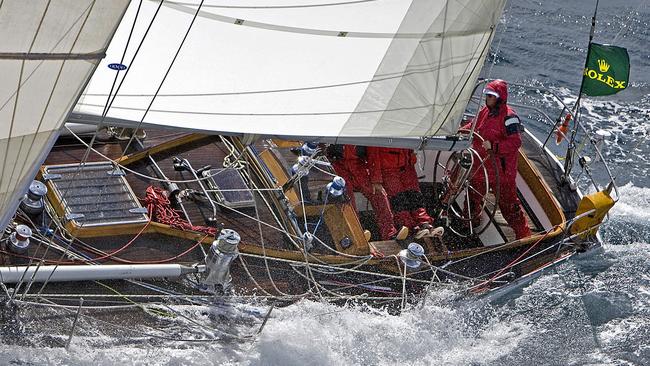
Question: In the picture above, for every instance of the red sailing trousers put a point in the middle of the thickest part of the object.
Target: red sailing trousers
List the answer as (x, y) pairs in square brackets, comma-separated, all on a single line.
[(509, 203), (394, 168), (403, 189), (500, 125), (356, 177)]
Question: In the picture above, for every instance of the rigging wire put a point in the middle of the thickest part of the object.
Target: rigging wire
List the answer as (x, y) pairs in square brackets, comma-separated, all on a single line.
[(262, 242), (308, 264), (105, 255), (251, 277), (145, 176), (496, 51), (63, 37), (85, 259), (207, 113), (299, 263), (388, 76), (152, 335), (290, 235), (171, 64), (517, 262), (87, 12), (83, 159), (312, 276), (109, 101), (117, 73), (624, 24), (13, 114), (29, 264)]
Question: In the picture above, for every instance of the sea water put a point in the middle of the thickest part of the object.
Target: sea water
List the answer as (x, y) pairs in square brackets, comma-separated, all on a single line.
[(592, 311)]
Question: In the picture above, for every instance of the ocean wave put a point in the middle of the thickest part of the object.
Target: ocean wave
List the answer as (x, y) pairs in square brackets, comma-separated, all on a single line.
[(634, 204), (312, 333)]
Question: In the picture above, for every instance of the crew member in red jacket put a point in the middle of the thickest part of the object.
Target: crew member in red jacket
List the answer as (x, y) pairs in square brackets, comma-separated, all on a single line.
[(350, 163), (500, 128), (393, 170)]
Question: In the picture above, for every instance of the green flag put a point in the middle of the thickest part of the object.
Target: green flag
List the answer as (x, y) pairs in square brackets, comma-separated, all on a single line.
[(607, 71)]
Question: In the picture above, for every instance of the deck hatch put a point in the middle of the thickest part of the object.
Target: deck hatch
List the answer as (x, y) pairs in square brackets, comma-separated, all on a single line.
[(92, 196), (228, 188)]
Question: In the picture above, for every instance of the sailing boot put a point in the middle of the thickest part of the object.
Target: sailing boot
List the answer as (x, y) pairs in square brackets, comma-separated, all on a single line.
[(437, 232), (523, 232), (428, 231), (514, 215), (367, 235), (422, 231), (401, 234)]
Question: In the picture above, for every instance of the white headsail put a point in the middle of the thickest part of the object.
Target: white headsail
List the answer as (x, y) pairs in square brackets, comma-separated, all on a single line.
[(47, 54), (359, 71)]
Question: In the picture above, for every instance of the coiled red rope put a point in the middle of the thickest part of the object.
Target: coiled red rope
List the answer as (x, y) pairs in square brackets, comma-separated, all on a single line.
[(160, 211)]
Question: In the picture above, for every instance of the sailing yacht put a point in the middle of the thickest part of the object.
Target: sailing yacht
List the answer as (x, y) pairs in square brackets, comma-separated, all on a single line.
[(205, 179)]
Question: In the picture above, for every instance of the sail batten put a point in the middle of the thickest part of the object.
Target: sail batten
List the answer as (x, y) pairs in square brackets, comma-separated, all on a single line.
[(384, 69), (324, 32), (52, 56)]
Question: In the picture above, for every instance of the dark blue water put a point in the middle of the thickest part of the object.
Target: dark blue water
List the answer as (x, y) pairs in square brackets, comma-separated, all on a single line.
[(594, 311), (545, 44)]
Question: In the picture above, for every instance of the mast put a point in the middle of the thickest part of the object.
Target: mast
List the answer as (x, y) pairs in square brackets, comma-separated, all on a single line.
[(568, 160)]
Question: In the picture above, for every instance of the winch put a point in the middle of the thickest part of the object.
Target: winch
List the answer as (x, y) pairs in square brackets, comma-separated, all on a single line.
[(223, 252), (18, 243), (33, 204), (412, 256)]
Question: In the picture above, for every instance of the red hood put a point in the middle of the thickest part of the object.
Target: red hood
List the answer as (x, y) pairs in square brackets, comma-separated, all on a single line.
[(501, 87)]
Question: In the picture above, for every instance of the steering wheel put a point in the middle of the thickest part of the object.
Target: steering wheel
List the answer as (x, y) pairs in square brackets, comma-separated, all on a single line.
[(460, 171)]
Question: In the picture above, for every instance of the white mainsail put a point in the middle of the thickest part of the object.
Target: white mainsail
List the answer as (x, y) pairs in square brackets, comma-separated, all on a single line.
[(359, 71), (47, 54)]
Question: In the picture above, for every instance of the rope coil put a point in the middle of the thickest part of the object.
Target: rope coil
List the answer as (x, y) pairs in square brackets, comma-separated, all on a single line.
[(160, 211)]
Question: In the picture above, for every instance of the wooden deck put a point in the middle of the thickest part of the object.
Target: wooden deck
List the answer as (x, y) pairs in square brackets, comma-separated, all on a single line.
[(552, 174), (156, 247), (208, 151)]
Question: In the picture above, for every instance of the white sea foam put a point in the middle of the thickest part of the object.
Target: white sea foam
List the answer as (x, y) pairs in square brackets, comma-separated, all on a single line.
[(634, 204), (313, 333), (114, 356)]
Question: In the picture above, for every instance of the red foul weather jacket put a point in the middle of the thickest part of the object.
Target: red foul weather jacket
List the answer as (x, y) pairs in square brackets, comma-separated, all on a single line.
[(386, 158), (501, 126)]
